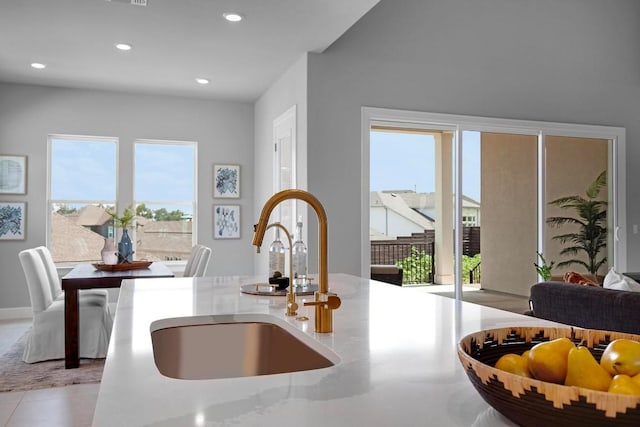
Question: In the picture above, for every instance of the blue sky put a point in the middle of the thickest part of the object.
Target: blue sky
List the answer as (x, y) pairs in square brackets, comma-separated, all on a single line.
[(85, 170), (403, 161)]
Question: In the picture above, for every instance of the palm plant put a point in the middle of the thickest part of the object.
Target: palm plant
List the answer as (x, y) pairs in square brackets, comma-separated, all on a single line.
[(591, 236)]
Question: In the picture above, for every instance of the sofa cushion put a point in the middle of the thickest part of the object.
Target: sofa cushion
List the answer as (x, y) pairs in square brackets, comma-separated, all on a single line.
[(617, 281), (586, 306)]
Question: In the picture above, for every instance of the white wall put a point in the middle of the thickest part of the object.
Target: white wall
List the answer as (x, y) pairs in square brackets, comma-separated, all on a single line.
[(391, 223), (289, 90), (223, 130), (573, 61)]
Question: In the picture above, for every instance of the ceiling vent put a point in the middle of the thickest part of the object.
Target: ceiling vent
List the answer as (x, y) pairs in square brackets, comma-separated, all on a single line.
[(133, 2)]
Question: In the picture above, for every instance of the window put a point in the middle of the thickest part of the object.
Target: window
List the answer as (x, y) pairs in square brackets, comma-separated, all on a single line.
[(82, 188), (164, 194), (469, 220)]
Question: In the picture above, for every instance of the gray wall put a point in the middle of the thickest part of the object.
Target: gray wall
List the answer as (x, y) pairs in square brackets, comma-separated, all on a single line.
[(223, 130), (571, 61), (288, 90)]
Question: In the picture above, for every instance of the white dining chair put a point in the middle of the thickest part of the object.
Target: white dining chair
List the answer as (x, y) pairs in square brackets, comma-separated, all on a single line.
[(203, 262), (54, 278), (46, 337), (192, 263)]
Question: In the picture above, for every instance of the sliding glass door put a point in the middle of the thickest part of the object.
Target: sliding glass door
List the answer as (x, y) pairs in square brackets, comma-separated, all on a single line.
[(578, 222), (503, 179)]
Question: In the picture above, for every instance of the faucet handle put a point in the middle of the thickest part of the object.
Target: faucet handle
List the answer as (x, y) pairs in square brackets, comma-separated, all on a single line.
[(332, 302)]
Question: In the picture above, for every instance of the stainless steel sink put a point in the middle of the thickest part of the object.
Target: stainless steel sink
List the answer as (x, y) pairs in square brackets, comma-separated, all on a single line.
[(232, 349)]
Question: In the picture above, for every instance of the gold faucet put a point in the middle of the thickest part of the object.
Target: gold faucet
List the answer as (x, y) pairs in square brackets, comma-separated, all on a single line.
[(324, 301), (292, 306)]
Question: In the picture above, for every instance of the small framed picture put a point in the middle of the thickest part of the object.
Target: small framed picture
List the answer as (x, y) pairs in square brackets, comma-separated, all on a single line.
[(13, 217), (226, 221), (13, 174), (226, 181)]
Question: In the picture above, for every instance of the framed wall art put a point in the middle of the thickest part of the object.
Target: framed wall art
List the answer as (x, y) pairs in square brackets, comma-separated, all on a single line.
[(13, 174), (226, 221), (226, 181), (13, 217)]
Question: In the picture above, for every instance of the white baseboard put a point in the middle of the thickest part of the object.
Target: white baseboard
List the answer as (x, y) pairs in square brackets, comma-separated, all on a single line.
[(16, 313)]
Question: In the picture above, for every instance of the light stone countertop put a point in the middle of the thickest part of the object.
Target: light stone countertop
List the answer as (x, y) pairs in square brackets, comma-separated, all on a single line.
[(396, 347)]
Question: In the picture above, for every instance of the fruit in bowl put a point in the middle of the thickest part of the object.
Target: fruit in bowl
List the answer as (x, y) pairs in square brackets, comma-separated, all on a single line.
[(583, 370), (560, 361), (587, 395), (622, 356), (548, 360)]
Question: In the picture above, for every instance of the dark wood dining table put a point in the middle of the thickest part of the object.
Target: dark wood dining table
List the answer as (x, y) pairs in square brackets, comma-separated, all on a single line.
[(86, 276)]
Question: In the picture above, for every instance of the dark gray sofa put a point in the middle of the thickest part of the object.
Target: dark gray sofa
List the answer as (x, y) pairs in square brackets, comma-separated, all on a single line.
[(586, 306)]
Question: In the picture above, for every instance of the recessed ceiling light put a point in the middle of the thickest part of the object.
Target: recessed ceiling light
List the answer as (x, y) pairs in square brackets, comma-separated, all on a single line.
[(123, 46), (232, 17), (202, 80), (38, 65)]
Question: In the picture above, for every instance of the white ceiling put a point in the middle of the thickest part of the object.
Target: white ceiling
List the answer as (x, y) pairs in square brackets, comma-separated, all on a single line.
[(174, 41)]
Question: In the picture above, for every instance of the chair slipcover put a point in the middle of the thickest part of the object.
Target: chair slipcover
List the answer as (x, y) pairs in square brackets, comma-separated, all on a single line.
[(203, 262), (54, 279), (46, 338), (192, 263)]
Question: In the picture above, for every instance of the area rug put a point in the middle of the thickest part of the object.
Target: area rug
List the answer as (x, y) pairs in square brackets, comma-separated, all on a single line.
[(16, 375)]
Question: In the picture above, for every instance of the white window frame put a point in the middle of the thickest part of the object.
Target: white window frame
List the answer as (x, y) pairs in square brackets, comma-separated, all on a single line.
[(193, 203), (50, 138)]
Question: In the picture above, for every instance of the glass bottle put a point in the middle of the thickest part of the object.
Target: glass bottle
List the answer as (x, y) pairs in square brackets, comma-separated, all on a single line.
[(299, 258), (276, 255)]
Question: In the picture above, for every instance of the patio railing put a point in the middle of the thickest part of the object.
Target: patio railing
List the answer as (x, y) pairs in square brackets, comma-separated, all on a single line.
[(419, 264), (419, 252)]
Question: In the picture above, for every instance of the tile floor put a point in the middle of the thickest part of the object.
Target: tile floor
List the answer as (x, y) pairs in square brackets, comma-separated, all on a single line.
[(70, 406), (73, 406)]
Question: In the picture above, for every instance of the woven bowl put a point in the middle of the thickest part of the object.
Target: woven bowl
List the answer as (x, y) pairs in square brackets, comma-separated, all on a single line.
[(530, 402)]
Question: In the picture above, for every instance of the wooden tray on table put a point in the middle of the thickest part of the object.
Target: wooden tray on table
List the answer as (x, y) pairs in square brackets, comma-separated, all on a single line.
[(133, 265)]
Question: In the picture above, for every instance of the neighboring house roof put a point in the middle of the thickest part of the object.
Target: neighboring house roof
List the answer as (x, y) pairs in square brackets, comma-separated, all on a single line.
[(399, 205), (164, 239), (165, 227), (155, 240), (427, 200), (92, 215), (376, 235), (86, 244)]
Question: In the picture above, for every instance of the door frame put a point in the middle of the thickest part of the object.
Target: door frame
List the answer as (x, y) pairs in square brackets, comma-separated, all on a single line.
[(461, 123)]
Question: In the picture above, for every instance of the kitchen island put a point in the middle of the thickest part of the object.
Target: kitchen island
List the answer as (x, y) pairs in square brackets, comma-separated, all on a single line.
[(396, 364)]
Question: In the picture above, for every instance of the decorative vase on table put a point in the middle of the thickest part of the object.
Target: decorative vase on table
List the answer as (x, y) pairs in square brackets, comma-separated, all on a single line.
[(109, 253), (125, 249)]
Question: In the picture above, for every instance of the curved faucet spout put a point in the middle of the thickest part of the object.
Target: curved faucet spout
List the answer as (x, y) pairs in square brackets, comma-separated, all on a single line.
[(261, 227)]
